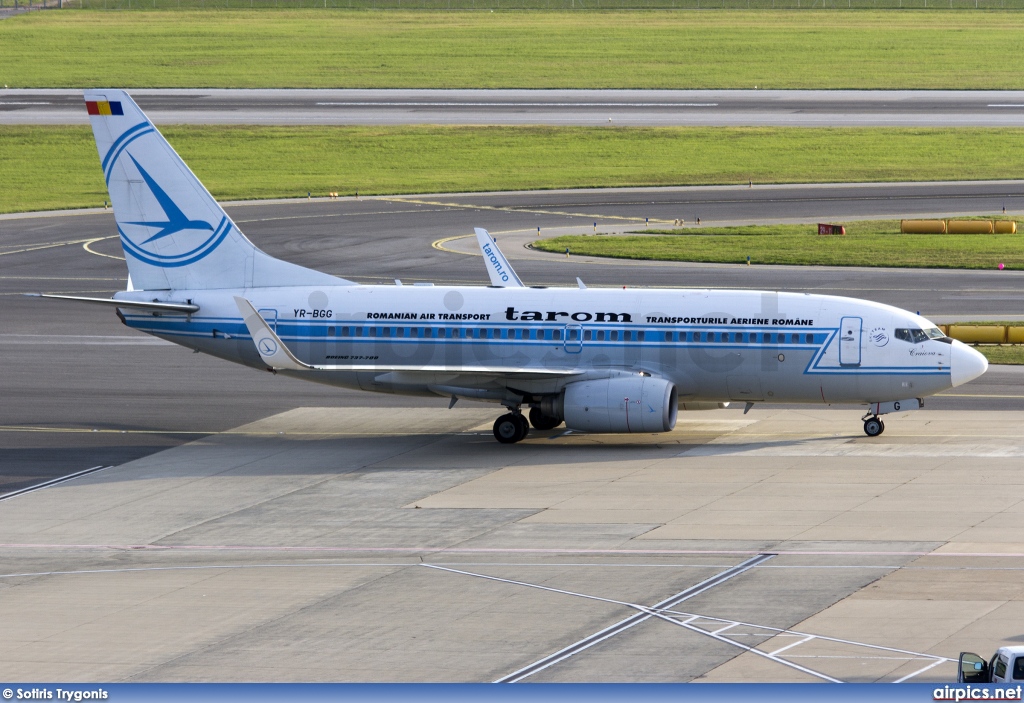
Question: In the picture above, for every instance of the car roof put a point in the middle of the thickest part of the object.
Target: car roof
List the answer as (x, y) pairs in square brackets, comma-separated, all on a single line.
[(1016, 649)]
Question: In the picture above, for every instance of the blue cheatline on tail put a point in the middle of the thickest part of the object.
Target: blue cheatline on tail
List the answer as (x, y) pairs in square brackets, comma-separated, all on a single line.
[(174, 234)]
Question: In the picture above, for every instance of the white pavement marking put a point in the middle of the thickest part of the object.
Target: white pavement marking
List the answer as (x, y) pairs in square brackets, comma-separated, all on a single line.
[(919, 671), (644, 614), (910, 655), (53, 482)]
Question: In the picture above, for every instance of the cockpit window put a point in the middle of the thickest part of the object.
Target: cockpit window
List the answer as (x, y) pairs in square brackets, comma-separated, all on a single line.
[(913, 336), (934, 333)]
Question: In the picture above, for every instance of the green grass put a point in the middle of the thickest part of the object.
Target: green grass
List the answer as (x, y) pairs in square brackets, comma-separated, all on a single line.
[(57, 167), (620, 49), (1006, 354), (868, 243)]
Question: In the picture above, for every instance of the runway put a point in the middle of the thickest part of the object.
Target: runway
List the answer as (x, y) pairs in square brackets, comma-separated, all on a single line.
[(241, 526), (637, 108)]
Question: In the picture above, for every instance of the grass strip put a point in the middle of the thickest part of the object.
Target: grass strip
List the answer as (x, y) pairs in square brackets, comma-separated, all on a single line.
[(539, 49), (1006, 354), (866, 243), (48, 167)]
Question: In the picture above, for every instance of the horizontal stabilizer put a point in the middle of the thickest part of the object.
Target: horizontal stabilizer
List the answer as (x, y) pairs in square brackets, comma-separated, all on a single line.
[(135, 304), (498, 267)]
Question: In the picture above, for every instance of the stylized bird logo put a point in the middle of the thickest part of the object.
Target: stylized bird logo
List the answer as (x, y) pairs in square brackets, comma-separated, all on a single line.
[(176, 219)]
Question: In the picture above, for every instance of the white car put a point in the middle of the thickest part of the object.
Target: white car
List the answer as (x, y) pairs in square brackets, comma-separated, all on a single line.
[(1006, 665)]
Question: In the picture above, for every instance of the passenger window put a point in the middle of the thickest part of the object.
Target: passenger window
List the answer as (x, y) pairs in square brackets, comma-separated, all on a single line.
[(711, 336), (588, 335), (1000, 670), (330, 331), (557, 334), (794, 338), (640, 336), (809, 339), (628, 336), (614, 335), (682, 336), (1018, 669), (668, 336)]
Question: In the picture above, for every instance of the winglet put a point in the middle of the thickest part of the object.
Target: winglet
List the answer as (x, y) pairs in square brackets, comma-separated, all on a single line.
[(498, 268), (270, 347)]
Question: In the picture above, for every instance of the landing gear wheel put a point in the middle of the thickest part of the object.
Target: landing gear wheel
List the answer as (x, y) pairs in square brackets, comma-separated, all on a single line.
[(873, 427), (541, 421), (524, 425), (510, 428)]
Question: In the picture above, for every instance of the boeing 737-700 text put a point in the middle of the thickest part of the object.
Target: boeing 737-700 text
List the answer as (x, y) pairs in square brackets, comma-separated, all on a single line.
[(599, 360)]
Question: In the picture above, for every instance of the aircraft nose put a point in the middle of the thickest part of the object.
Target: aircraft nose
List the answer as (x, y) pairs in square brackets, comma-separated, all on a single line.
[(966, 364)]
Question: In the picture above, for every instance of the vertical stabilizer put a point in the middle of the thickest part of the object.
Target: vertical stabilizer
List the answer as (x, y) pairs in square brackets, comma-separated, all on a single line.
[(173, 232)]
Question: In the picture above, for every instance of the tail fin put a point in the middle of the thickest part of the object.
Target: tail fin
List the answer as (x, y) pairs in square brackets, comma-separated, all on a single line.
[(173, 232)]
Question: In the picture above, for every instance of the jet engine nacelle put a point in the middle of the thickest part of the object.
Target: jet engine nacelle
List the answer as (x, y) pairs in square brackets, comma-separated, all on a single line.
[(633, 404)]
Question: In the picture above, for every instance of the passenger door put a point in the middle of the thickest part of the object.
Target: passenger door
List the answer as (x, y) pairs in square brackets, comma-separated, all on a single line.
[(849, 341)]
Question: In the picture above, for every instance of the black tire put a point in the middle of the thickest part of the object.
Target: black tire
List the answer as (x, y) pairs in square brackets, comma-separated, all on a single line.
[(511, 428), (873, 427), (542, 422), (524, 426), (507, 429)]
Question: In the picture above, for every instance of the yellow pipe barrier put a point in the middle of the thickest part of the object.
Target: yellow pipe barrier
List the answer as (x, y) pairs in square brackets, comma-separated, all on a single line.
[(958, 226), (1015, 335), (969, 227), (923, 226), (978, 334)]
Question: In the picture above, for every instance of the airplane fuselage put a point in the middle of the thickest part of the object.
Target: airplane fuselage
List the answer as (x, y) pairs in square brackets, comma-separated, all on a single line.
[(716, 346)]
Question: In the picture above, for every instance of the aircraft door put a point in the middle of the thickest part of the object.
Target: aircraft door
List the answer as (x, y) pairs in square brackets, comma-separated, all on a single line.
[(270, 315), (573, 339), (849, 341)]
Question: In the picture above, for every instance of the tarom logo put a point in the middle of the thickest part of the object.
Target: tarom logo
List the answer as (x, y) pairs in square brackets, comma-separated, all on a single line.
[(151, 250)]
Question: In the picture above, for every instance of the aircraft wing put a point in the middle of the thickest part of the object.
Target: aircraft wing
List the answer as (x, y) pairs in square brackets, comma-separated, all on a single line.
[(279, 357), (498, 267)]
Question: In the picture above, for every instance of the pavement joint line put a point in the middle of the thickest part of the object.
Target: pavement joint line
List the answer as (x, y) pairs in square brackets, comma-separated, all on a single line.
[(53, 482), (506, 550), (737, 433), (645, 613)]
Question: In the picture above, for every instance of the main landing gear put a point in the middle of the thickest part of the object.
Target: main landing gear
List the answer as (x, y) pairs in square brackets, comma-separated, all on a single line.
[(873, 426), (513, 427)]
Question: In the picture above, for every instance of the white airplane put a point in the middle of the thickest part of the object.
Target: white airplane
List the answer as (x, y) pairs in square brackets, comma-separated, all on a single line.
[(600, 361)]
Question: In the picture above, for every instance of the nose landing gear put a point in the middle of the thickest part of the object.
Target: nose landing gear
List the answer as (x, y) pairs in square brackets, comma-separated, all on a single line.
[(873, 426)]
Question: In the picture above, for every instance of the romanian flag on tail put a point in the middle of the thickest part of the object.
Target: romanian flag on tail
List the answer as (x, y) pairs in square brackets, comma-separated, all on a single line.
[(102, 107)]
